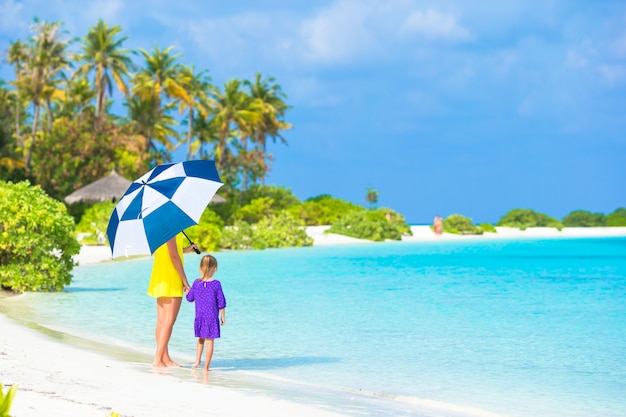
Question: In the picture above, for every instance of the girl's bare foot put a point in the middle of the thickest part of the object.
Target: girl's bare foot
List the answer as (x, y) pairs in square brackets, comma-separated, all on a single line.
[(195, 365), (159, 364), (172, 364), (206, 369)]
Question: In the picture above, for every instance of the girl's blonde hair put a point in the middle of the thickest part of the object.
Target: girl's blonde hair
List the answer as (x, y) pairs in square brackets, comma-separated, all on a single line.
[(207, 263)]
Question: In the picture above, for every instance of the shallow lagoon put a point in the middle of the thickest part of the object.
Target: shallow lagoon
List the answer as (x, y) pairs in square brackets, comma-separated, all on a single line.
[(515, 327)]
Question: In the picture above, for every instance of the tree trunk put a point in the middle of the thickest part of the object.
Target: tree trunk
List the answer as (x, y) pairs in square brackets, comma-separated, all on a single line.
[(49, 111), (189, 132), (245, 168), (18, 109), (32, 138)]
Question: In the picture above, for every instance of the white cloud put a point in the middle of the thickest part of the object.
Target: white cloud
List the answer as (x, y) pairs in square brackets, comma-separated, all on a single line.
[(339, 33), (365, 29), (435, 25), (243, 38), (10, 17), (613, 74), (107, 10)]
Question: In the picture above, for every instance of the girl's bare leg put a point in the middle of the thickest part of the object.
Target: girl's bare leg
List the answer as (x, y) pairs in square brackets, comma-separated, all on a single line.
[(199, 349), (167, 312), (209, 353)]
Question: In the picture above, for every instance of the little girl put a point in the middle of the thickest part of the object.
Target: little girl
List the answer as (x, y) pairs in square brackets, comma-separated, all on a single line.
[(210, 309)]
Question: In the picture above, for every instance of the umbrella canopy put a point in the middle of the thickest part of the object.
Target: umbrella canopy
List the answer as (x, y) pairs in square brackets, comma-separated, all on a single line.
[(109, 188), (161, 204)]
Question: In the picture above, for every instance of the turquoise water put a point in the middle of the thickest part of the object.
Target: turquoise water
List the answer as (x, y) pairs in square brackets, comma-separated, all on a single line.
[(508, 327)]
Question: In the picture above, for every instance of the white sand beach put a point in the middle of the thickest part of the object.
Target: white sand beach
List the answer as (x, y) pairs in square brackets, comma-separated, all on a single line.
[(58, 379)]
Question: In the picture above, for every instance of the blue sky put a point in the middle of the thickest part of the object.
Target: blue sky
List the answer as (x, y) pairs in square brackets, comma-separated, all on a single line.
[(451, 106)]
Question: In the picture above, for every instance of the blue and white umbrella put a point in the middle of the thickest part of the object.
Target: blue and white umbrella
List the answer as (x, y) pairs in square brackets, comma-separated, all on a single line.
[(161, 204)]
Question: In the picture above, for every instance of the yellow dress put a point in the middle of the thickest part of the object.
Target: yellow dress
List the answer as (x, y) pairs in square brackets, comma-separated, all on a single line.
[(165, 280)]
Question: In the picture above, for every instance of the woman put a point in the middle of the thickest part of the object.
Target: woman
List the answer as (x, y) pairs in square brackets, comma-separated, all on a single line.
[(167, 282)]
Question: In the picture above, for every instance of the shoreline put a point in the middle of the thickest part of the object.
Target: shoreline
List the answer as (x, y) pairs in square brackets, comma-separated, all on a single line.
[(421, 233), (58, 377)]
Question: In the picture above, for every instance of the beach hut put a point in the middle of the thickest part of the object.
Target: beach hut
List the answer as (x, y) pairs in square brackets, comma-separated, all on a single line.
[(217, 199), (109, 188)]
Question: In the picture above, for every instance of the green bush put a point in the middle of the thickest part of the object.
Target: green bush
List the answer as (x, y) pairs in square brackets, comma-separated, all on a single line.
[(323, 210), (617, 218), (367, 224), (208, 232), (397, 220), (583, 218), (524, 218), (487, 228), (93, 223), (36, 240), (257, 209), (237, 236), (279, 231), (282, 197), (460, 225)]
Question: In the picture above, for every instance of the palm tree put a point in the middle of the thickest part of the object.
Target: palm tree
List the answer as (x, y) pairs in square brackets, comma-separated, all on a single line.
[(196, 86), (76, 98), (103, 55), (46, 60), (16, 56), (207, 133), (152, 125), (232, 110), (9, 161), (270, 101), (152, 86), (159, 76)]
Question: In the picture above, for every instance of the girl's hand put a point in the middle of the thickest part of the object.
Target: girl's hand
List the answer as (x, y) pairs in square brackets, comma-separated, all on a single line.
[(222, 321)]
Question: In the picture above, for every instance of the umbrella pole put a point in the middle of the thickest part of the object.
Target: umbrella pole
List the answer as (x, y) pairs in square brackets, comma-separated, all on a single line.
[(191, 243)]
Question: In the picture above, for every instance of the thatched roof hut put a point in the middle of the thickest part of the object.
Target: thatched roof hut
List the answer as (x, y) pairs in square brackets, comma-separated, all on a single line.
[(109, 188), (217, 199)]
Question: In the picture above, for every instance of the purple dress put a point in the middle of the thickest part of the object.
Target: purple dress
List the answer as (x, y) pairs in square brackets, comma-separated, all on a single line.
[(209, 300)]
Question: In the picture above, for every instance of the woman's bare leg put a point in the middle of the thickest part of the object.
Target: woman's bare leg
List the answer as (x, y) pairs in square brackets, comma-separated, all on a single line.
[(209, 353), (167, 312), (199, 349)]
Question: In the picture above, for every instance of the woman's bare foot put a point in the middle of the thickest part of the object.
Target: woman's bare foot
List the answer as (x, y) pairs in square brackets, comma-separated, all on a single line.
[(172, 364), (159, 364), (195, 365)]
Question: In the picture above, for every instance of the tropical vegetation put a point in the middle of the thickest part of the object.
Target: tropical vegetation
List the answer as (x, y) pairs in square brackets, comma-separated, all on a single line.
[(374, 224), (62, 125), (584, 218), (460, 225), (6, 400), (37, 240), (524, 218), (617, 218)]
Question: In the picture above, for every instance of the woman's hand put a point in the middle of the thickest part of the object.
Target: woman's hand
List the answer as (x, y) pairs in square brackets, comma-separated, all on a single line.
[(193, 247)]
